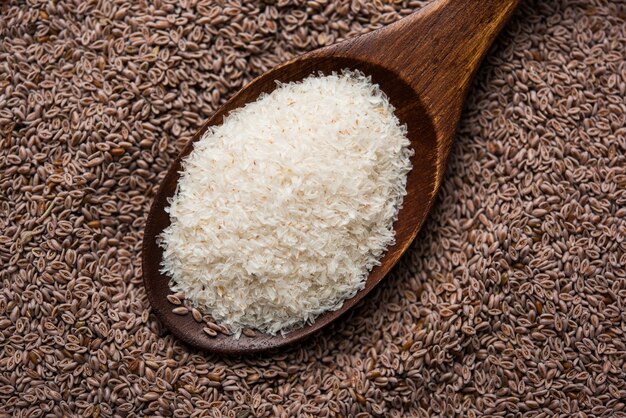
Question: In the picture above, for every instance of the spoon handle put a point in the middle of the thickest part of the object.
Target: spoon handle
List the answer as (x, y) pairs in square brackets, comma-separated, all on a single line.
[(436, 51), (444, 45)]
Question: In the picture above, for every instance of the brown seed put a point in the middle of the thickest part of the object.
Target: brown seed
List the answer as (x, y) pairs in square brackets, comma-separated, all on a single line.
[(151, 396), (210, 332), (93, 224), (214, 377), (249, 333), (539, 152), (181, 310), (174, 299), (197, 315)]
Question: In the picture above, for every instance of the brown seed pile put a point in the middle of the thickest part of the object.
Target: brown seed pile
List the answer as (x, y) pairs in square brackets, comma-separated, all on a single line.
[(510, 303)]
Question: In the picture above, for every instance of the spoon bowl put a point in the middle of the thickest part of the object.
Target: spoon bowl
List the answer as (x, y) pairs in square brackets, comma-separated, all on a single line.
[(421, 184), (426, 81)]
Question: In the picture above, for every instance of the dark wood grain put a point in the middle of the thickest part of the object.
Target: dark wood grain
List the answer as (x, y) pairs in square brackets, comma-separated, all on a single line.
[(424, 63)]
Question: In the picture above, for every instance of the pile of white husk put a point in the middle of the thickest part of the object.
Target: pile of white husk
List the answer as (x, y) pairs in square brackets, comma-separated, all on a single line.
[(282, 210)]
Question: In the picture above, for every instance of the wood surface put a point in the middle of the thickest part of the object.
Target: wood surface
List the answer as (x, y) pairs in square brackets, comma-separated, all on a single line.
[(424, 63)]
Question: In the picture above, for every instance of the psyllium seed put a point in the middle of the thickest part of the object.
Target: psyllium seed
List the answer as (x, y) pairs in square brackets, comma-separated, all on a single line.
[(554, 83)]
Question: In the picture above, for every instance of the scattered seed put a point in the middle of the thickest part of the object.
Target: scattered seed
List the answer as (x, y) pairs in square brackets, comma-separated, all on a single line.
[(210, 332), (248, 332), (181, 310), (518, 312), (174, 299)]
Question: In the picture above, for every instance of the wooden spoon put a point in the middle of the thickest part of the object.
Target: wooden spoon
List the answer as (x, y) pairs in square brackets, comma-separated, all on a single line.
[(424, 63)]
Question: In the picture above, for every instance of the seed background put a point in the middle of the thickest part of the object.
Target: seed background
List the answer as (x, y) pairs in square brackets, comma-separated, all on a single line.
[(511, 300)]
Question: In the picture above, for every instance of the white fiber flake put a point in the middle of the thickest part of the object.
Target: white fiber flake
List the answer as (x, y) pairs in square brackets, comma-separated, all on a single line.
[(281, 211)]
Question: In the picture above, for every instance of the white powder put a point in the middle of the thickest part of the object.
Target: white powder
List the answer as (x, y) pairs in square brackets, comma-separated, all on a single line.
[(282, 210)]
